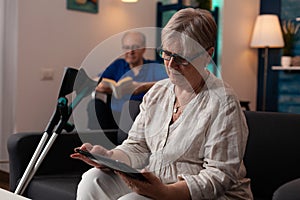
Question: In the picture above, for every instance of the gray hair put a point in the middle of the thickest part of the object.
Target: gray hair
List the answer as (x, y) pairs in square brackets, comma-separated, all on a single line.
[(140, 34), (191, 28)]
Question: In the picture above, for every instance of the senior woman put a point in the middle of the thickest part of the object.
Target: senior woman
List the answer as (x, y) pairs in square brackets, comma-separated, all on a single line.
[(190, 135)]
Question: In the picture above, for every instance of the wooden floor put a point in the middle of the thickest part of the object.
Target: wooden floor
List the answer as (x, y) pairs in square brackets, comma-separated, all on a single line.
[(4, 180)]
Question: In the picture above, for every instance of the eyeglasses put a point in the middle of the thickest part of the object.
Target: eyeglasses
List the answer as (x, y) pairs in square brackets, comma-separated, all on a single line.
[(166, 55), (133, 47)]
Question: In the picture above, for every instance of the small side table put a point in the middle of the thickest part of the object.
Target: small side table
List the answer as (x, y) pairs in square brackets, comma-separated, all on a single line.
[(7, 195)]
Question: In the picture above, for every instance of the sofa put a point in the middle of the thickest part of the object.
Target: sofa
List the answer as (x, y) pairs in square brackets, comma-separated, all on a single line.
[(272, 158)]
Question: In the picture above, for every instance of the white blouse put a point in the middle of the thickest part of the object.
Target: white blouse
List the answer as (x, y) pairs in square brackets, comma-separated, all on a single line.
[(204, 146)]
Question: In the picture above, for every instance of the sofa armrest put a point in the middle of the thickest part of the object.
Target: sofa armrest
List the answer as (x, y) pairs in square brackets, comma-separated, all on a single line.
[(21, 147), (272, 152)]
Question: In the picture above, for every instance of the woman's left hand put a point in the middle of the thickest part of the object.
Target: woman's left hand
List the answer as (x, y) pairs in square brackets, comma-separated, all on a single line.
[(152, 188)]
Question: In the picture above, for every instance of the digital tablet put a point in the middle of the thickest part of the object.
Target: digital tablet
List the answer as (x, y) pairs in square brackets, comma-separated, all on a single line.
[(113, 164)]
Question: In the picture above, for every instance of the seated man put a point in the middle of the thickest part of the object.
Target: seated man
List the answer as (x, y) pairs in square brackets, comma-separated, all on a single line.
[(143, 72)]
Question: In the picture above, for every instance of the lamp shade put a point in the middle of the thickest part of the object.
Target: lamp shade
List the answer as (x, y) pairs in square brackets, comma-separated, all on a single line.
[(267, 32), (130, 1)]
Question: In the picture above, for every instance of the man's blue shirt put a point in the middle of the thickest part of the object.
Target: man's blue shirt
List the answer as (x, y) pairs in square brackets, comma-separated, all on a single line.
[(150, 71)]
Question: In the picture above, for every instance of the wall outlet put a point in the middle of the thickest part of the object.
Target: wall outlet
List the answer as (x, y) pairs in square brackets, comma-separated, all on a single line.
[(47, 74)]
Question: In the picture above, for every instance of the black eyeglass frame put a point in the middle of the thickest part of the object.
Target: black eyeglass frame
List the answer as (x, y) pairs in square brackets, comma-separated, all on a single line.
[(179, 60)]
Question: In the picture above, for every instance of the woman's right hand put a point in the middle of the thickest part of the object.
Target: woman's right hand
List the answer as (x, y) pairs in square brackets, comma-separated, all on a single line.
[(96, 149)]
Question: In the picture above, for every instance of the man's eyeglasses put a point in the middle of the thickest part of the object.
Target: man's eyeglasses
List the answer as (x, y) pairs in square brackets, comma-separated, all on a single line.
[(131, 48), (166, 55)]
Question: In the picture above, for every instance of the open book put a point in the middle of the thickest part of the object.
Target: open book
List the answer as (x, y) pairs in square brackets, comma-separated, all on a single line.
[(114, 165), (123, 86)]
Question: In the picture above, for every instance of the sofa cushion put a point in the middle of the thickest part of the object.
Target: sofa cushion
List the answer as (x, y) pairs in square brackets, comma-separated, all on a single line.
[(59, 187)]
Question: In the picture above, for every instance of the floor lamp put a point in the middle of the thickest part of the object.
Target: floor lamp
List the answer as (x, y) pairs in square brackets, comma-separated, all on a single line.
[(266, 34)]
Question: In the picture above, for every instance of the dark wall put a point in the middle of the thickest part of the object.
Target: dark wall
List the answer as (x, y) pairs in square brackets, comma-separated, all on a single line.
[(289, 81)]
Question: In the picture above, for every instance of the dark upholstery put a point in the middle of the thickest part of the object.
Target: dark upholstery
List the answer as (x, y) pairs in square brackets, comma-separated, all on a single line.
[(272, 155), (271, 158), (288, 191), (57, 176), (59, 186), (129, 112)]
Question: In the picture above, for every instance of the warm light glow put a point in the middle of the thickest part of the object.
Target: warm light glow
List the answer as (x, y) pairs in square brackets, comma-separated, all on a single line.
[(267, 32), (130, 1)]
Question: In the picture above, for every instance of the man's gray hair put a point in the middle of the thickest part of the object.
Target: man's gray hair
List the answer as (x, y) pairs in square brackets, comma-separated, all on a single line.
[(142, 36)]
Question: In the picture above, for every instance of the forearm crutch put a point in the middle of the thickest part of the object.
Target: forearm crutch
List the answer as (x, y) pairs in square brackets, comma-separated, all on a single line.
[(59, 120)]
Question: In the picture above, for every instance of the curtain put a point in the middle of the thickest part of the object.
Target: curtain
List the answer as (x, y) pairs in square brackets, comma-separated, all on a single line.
[(1, 72), (8, 73)]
